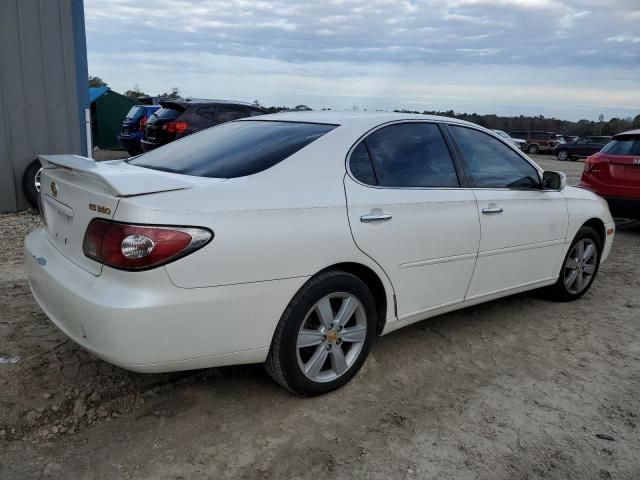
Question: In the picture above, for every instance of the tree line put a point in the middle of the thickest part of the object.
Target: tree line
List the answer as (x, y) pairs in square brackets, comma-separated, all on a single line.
[(581, 128)]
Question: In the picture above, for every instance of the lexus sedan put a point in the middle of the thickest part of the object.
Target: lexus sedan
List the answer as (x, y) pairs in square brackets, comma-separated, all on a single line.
[(296, 239)]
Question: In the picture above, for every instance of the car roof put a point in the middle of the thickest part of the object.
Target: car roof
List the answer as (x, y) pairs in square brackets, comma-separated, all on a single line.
[(204, 101), (351, 118), (628, 133)]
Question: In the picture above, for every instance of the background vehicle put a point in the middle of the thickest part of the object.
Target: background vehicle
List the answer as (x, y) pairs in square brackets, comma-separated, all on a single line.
[(581, 148), (350, 200), (518, 142), (133, 128), (537, 141), (179, 118), (614, 173)]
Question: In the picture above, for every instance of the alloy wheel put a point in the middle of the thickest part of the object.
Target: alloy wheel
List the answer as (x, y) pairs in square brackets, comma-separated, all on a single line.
[(36, 179), (580, 266), (331, 337), (563, 155)]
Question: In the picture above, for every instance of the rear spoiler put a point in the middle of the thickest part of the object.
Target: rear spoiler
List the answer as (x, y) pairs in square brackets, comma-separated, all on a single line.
[(122, 179)]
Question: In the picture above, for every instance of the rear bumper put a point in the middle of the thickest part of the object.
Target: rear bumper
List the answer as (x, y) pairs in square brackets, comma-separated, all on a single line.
[(624, 207), (147, 146), (129, 142), (142, 322)]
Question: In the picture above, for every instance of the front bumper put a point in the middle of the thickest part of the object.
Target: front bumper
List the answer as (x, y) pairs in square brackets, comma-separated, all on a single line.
[(142, 322)]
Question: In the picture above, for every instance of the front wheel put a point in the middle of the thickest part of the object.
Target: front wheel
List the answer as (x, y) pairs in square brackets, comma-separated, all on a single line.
[(324, 335), (533, 149), (563, 155), (580, 266)]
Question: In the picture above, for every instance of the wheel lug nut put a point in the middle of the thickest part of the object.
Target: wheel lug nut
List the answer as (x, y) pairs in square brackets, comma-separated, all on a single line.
[(329, 347), (324, 338), (339, 329), (339, 341)]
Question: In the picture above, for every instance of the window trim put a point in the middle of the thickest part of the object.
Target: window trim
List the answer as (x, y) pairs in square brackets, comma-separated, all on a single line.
[(462, 179), (521, 154)]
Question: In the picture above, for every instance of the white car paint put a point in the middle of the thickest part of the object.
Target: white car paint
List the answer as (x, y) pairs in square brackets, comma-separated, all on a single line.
[(273, 231)]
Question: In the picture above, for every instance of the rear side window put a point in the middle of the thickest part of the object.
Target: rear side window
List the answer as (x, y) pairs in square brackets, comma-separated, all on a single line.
[(233, 149), (361, 166), (135, 113), (411, 155), (491, 163), (226, 114), (167, 113), (623, 146)]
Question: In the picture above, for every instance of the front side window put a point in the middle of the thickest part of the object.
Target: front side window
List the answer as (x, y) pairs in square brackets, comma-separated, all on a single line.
[(492, 164), (407, 155), (234, 149)]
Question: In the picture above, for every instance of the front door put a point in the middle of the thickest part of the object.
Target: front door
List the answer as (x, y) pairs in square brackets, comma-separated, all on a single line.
[(408, 212), (523, 228)]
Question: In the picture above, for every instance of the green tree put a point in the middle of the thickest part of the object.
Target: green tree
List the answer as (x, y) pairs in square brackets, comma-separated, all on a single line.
[(135, 94), (96, 82)]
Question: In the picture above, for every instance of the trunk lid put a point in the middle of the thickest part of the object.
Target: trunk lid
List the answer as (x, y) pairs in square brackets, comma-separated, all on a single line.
[(75, 190)]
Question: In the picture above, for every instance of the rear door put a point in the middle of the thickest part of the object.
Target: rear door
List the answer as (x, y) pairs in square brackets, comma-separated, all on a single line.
[(409, 212), (523, 227)]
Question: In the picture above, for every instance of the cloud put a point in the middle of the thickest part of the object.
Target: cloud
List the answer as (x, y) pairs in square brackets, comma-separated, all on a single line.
[(215, 39)]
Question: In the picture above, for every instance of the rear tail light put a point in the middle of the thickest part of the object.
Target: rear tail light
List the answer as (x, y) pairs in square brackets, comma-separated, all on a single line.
[(143, 123), (594, 164), (140, 247), (175, 127)]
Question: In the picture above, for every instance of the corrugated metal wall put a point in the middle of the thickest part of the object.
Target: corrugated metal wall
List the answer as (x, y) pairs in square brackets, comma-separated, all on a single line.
[(43, 87)]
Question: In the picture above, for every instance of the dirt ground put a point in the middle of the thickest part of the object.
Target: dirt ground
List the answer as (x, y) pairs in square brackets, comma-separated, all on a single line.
[(520, 388)]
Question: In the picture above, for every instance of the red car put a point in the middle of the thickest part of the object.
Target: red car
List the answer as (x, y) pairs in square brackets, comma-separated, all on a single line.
[(614, 173)]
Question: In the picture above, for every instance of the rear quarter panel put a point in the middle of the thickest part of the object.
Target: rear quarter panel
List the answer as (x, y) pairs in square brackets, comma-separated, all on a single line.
[(288, 221)]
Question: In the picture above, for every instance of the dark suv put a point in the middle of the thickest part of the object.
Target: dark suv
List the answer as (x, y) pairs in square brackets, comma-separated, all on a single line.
[(583, 147), (537, 141), (179, 118)]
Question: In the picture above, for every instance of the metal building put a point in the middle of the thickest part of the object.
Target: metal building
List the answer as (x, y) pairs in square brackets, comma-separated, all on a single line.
[(43, 87)]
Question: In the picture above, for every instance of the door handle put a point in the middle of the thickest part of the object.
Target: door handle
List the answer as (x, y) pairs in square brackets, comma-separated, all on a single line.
[(377, 217), (492, 210)]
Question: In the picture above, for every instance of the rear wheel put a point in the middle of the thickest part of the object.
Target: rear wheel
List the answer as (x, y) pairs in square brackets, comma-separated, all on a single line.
[(580, 266), (31, 182), (533, 149), (324, 335)]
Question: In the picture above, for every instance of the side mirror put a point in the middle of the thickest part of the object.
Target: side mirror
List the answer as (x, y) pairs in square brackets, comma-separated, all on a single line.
[(554, 181)]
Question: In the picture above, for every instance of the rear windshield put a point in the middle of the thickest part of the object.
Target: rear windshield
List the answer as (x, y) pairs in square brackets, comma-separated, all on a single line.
[(233, 149), (167, 113), (623, 146), (135, 113)]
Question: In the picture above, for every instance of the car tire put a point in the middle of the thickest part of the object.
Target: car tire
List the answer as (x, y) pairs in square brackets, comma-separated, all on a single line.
[(563, 155), (29, 178), (312, 352), (533, 149), (578, 272)]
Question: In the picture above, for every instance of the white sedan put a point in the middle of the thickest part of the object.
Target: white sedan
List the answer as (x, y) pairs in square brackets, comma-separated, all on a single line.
[(296, 239)]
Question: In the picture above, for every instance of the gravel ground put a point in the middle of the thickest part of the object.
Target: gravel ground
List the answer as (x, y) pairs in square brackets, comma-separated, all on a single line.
[(517, 388)]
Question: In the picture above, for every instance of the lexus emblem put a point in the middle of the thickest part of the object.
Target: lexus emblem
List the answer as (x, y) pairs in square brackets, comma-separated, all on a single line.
[(54, 189)]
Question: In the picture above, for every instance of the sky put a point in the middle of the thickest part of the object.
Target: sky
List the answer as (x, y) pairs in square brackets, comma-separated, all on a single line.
[(568, 59)]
